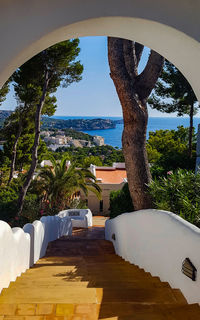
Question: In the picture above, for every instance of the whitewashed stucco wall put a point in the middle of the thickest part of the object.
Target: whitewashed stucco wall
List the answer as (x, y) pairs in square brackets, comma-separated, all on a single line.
[(83, 220), (21, 248), (14, 253), (159, 241)]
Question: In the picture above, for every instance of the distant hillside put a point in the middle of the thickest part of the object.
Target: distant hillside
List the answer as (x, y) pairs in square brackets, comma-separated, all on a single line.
[(78, 135), (77, 124)]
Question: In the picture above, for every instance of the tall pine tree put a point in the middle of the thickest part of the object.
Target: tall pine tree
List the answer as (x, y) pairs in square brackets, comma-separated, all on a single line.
[(133, 90), (35, 82), (173, 93)]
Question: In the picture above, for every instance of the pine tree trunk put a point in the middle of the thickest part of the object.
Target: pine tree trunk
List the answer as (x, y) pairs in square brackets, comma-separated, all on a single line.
[(133, 91), (14, 153), (134, 145), (191, 130), (32, 168)]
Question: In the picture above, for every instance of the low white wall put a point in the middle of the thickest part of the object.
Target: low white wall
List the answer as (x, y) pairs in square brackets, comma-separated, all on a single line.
[(45, 230), (21, 248), (84, 220), (159, 241), (14, 253)]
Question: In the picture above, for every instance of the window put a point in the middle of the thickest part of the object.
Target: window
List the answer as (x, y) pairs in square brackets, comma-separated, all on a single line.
[(101, 205)]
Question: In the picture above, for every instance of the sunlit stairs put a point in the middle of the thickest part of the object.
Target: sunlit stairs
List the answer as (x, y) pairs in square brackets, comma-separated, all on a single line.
[(82, 278)]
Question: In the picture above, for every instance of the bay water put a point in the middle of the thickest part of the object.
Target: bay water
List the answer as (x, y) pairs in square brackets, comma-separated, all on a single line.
[(113, 136)]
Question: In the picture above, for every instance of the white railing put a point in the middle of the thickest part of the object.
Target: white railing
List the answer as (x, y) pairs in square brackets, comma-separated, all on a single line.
[(158, 241), (21, 248)]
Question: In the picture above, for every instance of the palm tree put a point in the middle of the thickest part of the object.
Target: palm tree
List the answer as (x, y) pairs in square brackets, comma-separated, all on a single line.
[(59, 184)]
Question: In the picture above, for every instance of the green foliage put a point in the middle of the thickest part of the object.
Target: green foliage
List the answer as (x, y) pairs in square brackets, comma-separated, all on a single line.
[(58, 184), (106, 154), (4, 91), (78, 124), (8, 198), (62, 68), (8, 205), (4, 168), (179, 193), (77, 204), (78, 135), (31, 209), (167, 150), (120, 201), (87, 161), (172, 92), (24, 149)]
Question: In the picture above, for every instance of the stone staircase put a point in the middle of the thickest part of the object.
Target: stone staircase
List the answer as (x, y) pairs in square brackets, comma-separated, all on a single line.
[(81, 278)]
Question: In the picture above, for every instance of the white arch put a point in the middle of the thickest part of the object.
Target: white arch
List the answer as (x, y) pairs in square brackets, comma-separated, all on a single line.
[(27, 27)]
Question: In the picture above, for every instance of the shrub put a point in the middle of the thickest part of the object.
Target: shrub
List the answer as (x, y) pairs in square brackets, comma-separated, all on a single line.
[(8, 203), (31, 208), (179, 193), (120, 201), (8, 206), (168, 150)]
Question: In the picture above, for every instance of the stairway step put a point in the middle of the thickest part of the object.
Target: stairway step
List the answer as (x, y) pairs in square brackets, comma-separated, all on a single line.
[(87, 295), (150, 312), (147, 295), (105, 310), (80, 277), (179, 296), (44, 295)]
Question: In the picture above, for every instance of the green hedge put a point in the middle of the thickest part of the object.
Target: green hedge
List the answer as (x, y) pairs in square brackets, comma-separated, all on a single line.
[(120, 202), (179, 193)]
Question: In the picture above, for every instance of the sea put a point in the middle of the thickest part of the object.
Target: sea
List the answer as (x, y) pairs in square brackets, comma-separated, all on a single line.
[(113, 136)]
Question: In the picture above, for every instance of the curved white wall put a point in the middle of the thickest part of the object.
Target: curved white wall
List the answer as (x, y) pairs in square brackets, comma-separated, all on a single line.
[(21, 248), (159, 241), (14, 253), (82, 220), (172, 28)]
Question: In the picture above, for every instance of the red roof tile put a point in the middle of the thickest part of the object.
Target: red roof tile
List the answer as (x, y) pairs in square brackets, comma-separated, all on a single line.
[(111, 176)]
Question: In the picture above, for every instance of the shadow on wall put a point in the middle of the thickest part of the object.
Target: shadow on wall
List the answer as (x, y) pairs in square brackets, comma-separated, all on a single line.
[(158, 241)]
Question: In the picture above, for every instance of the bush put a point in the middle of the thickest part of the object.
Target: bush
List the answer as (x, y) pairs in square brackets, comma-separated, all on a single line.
[(8, 203), (120, 201), (179, 193), (31, 208), (8, 207), (168, 150)]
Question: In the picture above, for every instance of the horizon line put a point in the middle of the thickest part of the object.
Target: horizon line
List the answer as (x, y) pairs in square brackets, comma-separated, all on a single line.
[(121, 116)]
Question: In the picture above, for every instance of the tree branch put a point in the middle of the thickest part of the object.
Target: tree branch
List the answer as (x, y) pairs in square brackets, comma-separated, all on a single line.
[(146, 81), (116, 58), (130, 58), (138, 51)]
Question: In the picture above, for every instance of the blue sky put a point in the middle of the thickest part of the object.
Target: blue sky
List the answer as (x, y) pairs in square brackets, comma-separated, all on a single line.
[(95, 94)]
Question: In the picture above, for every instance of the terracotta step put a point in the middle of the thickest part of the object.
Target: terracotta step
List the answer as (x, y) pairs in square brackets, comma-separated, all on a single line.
[(148, 312), (105, 311), (93, 283), (50, 311), (46, 295), (81, 278), (179, 296), (87, 295)]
